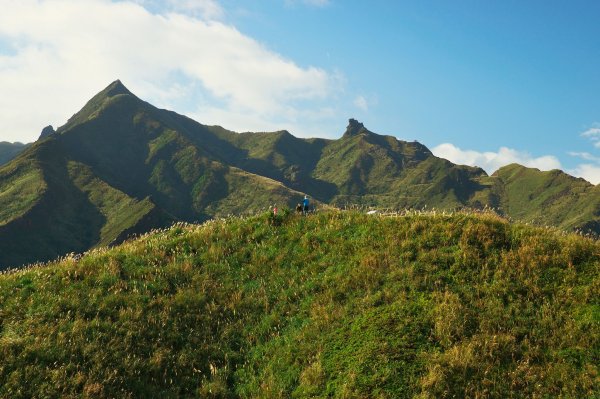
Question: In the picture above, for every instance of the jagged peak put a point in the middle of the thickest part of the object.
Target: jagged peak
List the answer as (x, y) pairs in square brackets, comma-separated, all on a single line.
[(47, 131), (355, 128), (115, 88)]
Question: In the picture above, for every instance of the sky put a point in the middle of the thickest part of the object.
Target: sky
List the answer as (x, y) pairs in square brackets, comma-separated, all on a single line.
[(483, 83)]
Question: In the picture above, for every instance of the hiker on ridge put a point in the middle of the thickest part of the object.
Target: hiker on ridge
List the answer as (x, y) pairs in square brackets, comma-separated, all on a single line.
[(305, 204)]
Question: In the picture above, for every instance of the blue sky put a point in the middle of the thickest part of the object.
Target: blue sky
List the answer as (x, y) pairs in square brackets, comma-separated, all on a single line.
[(483, 83)]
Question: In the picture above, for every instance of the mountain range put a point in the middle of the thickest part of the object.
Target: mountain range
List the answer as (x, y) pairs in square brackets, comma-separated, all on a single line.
[(121, 166)]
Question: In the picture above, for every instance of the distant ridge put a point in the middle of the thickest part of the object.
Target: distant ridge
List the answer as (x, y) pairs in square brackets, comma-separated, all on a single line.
[(121, 166), (10, 150)]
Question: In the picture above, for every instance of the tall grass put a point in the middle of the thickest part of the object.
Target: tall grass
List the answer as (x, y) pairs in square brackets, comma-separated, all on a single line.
[(336, 304)]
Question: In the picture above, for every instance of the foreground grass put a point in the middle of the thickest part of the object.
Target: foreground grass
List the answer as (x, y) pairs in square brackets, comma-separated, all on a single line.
[(337, 304)]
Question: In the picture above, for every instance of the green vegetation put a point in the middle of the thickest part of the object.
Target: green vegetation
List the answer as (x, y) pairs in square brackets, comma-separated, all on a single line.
[(120, 211), (121, 166), (21, 186), (551, 197), (337, 304)]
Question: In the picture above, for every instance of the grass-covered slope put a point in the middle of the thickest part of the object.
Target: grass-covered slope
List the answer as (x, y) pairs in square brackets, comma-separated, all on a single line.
[(21, 186), (51, 205), (552, 198), (382, 171), (331, 305)]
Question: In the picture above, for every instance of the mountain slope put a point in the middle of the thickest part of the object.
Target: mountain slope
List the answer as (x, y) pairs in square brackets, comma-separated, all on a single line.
[(552, 198), (121, 166), (332, 305), (371, 169)]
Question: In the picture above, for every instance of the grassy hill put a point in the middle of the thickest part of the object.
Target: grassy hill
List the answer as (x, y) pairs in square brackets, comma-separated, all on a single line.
[(337, 304)]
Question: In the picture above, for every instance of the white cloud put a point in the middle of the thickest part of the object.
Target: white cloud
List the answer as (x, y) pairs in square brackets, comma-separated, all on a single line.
[(491, 161), (208, 9), (593, 134), (584, 155), (64, 51), (361, 103), (590, 172)]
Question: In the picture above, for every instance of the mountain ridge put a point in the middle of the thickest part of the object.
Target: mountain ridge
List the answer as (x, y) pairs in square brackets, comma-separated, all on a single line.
[(120, 166), (8, 150)]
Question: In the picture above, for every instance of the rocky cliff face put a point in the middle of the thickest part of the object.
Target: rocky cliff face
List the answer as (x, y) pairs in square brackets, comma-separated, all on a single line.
[(47, 131)]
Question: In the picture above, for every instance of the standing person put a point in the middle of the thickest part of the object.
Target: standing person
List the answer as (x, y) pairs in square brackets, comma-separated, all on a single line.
[(305, 205)]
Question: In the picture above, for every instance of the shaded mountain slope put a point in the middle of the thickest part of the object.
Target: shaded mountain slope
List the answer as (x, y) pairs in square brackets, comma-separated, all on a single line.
[(68, 210), (332, 305), (10, 150), (119, 166)]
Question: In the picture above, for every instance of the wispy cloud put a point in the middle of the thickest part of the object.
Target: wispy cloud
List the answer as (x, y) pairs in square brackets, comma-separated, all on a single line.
[(313, 3), (318, 3), (206, 9), (593, 134), (361, 103), (585, 156), (63, 51), (491, 161), (590, 172), (590, 169)]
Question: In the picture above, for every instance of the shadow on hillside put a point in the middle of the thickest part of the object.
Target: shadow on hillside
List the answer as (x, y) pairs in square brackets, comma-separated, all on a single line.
[(63, 221)]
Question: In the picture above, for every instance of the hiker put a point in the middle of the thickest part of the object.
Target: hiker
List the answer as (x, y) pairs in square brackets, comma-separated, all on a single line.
[(305, 204), (274, 210), (298, 209)]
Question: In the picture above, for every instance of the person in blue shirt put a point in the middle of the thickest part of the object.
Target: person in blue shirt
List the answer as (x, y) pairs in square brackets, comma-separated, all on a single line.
[(305, 204)]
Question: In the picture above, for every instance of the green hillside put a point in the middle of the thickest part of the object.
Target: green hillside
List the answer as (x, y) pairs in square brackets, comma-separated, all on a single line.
[(337, 305), (121, 166), (552, 198)]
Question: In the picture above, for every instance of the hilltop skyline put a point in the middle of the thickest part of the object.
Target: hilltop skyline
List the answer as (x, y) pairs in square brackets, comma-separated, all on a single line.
[(480, 84)]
